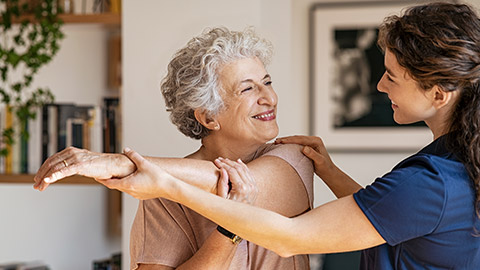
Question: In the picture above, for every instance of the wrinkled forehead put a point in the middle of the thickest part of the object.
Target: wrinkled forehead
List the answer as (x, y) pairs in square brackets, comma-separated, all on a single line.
[(240, 71)]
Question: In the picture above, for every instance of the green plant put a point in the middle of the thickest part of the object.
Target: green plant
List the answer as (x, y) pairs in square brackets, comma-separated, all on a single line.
[(30, 34)]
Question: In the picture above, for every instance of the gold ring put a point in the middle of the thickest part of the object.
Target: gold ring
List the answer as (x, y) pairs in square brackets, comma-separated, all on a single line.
[(65, 163)]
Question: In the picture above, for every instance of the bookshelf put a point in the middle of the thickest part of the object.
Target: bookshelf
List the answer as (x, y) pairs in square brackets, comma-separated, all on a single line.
[(28, 179), (112, 21)]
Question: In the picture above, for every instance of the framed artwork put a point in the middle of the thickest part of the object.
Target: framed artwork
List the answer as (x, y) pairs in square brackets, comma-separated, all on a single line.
[(346, 109)]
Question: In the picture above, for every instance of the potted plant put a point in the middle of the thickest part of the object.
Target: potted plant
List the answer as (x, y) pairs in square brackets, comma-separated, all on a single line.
[(30, 32)]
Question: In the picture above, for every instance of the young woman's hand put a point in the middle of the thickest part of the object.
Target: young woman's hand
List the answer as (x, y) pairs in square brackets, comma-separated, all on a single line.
[(72, 161), (147, 182), (315, 150), (243, 189)]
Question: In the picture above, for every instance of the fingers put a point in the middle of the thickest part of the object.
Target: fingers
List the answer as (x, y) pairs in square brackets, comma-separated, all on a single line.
[(55, 165), (222, 184), (134, 157), (312, 141), (52, 161), (243, 185), (55, 175), (315, 156), (233, 169)]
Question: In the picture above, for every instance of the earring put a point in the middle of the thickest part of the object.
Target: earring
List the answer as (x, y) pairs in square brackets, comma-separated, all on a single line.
[(217, 127)]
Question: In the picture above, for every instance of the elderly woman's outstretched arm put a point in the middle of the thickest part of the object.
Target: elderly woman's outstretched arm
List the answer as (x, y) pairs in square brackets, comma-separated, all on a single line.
[(276, 178), (75, 161)]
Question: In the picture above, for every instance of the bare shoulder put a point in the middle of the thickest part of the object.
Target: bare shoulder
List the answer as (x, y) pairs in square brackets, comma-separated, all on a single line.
[(279, 173), (284, 151), (287, 163), (290, 153)]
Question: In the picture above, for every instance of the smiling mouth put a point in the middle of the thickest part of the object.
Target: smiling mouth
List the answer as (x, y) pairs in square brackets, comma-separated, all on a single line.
[(270, 115)]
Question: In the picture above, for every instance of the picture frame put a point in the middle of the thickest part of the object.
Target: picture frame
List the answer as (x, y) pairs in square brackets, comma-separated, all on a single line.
[(346, 110)]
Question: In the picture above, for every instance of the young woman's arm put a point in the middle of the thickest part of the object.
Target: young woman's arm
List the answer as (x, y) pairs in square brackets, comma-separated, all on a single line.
[(337, 226), (217, 251)]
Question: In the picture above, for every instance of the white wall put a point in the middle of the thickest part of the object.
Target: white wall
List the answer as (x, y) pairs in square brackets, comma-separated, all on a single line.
[(66, 225), (154, 30)]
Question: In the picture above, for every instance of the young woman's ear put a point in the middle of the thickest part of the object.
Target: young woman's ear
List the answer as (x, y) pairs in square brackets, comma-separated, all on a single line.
[(205, 120), (442, 98)]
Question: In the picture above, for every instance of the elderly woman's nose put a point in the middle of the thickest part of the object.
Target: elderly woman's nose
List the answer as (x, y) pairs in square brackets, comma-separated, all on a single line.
[(268, 96)]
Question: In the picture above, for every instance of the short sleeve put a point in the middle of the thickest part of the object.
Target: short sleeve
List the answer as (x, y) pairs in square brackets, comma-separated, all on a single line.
[(292, 154), (159, 234), (406, 203)]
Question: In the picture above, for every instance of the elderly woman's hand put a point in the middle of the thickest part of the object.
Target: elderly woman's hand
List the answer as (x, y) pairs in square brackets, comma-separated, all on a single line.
[(147, 182), (244, 188), (71, 161)]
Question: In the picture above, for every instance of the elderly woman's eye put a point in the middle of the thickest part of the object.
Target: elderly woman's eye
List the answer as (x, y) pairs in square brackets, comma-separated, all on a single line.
[(247, 89), (268, 83)]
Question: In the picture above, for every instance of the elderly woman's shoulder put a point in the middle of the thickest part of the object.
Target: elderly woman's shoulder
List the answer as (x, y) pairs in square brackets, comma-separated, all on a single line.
[(281, 149)]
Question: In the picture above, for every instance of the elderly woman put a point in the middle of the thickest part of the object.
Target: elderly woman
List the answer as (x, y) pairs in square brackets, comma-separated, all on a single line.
[(217, 90)]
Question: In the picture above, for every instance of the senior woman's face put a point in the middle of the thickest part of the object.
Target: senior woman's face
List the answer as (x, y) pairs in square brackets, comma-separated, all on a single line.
[(250, 101)]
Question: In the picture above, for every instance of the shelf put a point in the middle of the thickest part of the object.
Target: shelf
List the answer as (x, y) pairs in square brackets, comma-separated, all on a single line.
[(104, 18), (28, 179), (111, 19)]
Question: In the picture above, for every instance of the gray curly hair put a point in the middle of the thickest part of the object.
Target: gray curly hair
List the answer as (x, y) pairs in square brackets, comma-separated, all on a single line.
[(192, 80)]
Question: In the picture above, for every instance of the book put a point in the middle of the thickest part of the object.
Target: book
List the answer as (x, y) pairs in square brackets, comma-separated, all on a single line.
[(2, 142), (8, 124), (64, 112), (49, 130), (75, 133), (111, 107), (17, 143), (95, 129), (35, 142), (23, 146), (77, 127)]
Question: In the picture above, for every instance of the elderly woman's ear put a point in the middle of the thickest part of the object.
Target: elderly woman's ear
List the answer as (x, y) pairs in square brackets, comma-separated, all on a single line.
[(206, 120)]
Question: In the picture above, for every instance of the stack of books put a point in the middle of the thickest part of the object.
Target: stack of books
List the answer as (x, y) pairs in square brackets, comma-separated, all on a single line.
[(56, 127)]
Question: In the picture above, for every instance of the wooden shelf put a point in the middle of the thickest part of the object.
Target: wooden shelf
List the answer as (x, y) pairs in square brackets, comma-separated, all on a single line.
[(111, 19), (28, 179), (104, 18)]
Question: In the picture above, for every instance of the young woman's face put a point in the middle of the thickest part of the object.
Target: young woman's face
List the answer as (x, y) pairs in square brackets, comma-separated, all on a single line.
[(410, 103), (250, 102)]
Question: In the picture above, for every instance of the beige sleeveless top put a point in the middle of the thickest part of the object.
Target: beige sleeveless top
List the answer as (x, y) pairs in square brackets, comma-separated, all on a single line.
[(168, 233)]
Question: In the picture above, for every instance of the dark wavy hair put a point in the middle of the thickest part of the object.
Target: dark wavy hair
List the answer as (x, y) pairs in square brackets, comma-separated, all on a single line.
[(439, 44)]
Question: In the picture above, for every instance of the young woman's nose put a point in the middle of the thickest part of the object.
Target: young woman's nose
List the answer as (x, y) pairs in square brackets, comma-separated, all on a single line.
[(381, 84)]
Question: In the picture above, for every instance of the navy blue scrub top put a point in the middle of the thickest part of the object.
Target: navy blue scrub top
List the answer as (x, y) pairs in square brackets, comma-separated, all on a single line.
[(424, 209)]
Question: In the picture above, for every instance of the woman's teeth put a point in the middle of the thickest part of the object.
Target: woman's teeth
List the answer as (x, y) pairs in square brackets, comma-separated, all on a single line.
[(263, 116)]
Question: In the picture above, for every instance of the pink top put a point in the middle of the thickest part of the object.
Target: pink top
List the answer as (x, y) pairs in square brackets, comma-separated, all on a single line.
[(168, 233)]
